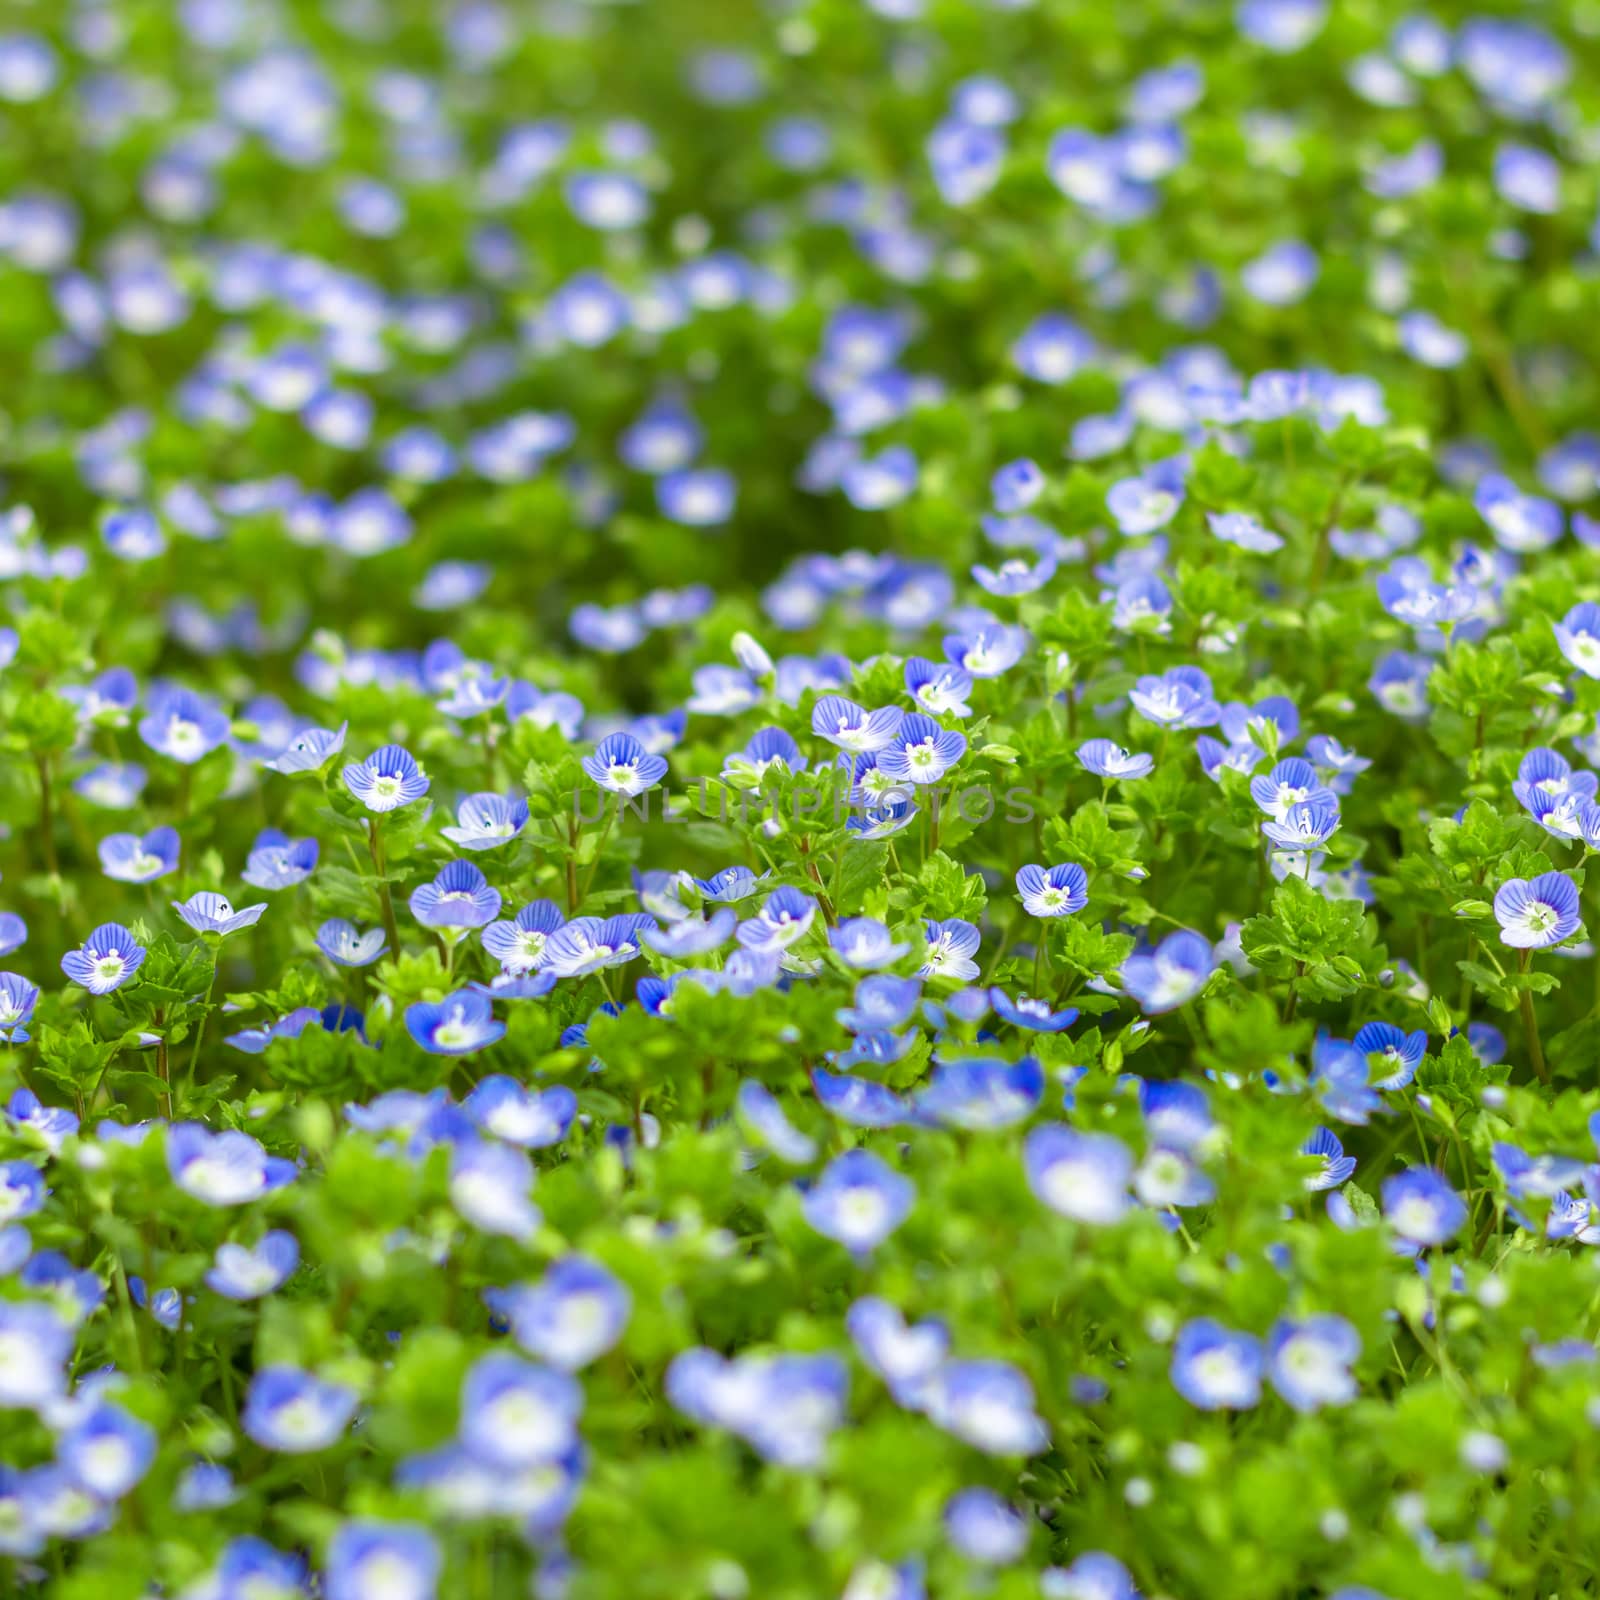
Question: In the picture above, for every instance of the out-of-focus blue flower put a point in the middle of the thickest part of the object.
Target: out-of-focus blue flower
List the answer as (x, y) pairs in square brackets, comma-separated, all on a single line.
[(1215, 1368)]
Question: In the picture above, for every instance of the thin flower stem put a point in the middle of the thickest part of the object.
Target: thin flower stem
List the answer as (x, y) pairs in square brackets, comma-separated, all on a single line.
[(385, 899), (1530, 1023)]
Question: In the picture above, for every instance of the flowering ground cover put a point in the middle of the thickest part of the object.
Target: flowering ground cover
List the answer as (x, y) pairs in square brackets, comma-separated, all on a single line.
[(795, 799)]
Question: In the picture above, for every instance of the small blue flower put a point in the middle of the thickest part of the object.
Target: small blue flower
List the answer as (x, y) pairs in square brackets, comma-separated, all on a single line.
[(1334, 1168), (107, 1452), (1107, 759), (459, 897), (769, 749), (183, 726), (244, 1272), (520, 944), (455, 1026), (310, 750), (982, 1094), (921, 752), (1180, 698), (370, 1560), (572, 1316), (489, 1186), (904, 1357), (345, 945), (1578, 635), (388, 779), (295, 1412), (1305, 824), (278, 862), (588, 944), (222, 1169), (939, 688), (785, 919), (849, 726), (485, 821), (54, 1125), (697, 497), (105, 960), (22, 1191), (762, 1114), (858, 1201), (1536, 913), (622, 765), (1171, 974), (130, 859), (989, 1405), (988, 651), (17, 1000), (517, 1414), (532, 1118), (985, 1527), (1401, 1052), (1142, 504), (864, 944), (1056, 891), (730, 885), (950, 948), (1523, 523), (1084, 1176), (210, 913), (13, 932), (1215, 1368), (113, 785), (1036, 1016), (1421, 1207), (1308, 1361), (1243, 530)]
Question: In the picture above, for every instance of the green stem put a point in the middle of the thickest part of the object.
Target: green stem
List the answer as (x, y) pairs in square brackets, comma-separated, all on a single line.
[(1530, 1023), (385, 899)]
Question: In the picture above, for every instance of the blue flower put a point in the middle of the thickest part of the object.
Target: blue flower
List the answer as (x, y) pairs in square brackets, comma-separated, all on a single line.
[(921, 752), (1578, 635), (1282, 275), (1305, 824), (485, 821), (460, 897), (243, 1272), (517, 1414), (1520, 522), (989, 1405), (1015, 577), (106, 1452), (371, 1560), (222, 1169), (113, 785), (1093, 1576), (1334, 1168), (730, 885), (1180, 698), (762, 1114), (1036, 1016), (988, 651), (520, 945), (1171, 974), (1291, 782), (13, 932), (455, 1026), (1084, 1176), (388, 779), (295, 1412), (784, 1406), (864, 944), (105, 960), (1215, 1368), (849, 726), (1141, 505), (769, 749), (982, 1094), (622, 765), (22, 1191), (785, 919), (1536, 913), (1056, 891), (1421, 1207), (588, 944), (130, 859), (572, 1316), (1245, 531), (183, 726), (210, 913), (939, 688), (54, 1125), (17, 1000), (950, 948), (1401, 1052), (37, 1345), (858, 1201), (532, 1118), (1308, 1361), (985, 1527), (278, 862), (697, 497), (881, 1002), (1107, 759), (489, 1186), (904, 1357), (345, 945)]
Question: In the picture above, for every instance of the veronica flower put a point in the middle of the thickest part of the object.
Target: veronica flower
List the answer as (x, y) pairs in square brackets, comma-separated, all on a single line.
[(1520, 522), (130, 859), (107, 1451), (1171, 974), (517, 1414), (345, 945), (222, 1169), (769, 749), (864, 944), (762, 1115), (730, 885), (113, 785), (987, 1404), (985, 1528), (1291, 782), (13, 932), (1401, 1052), (371, 1560), (244, 1272), (1421, 1207), (723, 691), (1036, 1016), (183, 726), (531, 1118), (784, 920), (520, 944), (485, 821), (587, 944), (210, 913), (17, 1000), (278, 862), (623, 766), (938, 688), (22, 1190), (1083, 1176), (1534, 914), (1056, 891), (295, 1412), (695, 936), (1578, 635), (1543, 771), (904, 1357), (1180, 698), (1215, 1368), (845, 724), (950, 948), (1304, 824), (35, 1346), (1245, 531), (455, 1026), (460, 897), (1107, 759), (489, 1186), (988, 651), (1149, 501), (388, 779), (572, 1316), (858, 1201), (1335, 1166), (979, 1095), (697, 497), (921, 752), (1016, 577), (53, 1125), (105, 960)]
